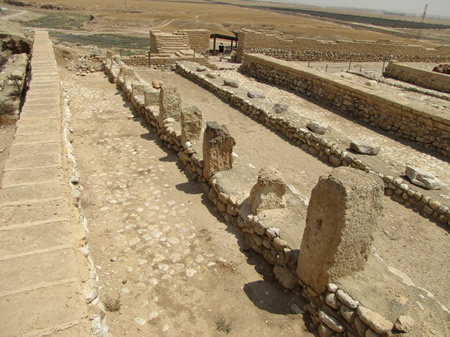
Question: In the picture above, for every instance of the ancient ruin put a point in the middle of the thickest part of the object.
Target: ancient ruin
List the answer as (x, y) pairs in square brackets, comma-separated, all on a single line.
[(313, 195)]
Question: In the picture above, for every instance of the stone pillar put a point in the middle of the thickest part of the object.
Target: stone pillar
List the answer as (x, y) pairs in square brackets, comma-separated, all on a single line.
[(151, 96), (269, 191), (108, 59), (342, 214), (130, 78), (169, 103), (191, 124), (217, 149), (139, 89)]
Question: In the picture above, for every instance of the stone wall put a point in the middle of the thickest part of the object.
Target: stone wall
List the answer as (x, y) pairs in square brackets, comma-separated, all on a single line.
[(288, 47), (425, 125), (319, 146), (157, 61), (423, 78), (198, 39), (335, 311)]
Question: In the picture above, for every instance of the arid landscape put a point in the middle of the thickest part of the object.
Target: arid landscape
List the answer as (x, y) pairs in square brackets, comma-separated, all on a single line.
[(165, 259)]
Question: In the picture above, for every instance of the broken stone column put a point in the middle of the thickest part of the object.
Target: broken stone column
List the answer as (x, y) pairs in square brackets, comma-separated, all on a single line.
[(130, 78), (116, 66), (191, 124), (342, 215), (269, 191), (169, 103), (151, 96), (108, 59), (217, 149)]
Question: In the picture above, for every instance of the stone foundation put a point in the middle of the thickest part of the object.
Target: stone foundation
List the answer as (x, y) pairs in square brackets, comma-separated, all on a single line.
[(292, 48), (425, 125), (423, 78), (318, 146), (334, 312)]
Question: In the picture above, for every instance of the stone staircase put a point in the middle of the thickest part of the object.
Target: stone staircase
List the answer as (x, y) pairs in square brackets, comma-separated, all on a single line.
[(171, 43)]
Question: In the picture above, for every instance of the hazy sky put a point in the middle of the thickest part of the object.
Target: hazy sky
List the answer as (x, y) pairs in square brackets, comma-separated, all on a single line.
[(435, 7)]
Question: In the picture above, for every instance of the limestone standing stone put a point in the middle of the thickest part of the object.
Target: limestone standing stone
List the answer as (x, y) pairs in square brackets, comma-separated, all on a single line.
[(169, 103), (342, 214), (191, 124), (130, 78), (268, 192), (108, 59), (151, 96), (217, 149), (139, 89)]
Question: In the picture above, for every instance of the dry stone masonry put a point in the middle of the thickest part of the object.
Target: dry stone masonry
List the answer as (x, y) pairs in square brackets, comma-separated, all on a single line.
[(425, 125), (292, 48), (316, 144), (423, 78), (336, 309)]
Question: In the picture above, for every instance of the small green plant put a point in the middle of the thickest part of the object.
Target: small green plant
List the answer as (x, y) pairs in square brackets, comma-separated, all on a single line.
[(112, 303), (223, 325)]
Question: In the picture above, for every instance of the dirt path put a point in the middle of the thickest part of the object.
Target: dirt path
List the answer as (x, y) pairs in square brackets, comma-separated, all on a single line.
[(177, 268)]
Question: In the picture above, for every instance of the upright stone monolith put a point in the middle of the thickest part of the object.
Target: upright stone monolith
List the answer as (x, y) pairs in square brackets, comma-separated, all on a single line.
[(268, 192), (169, 103), (191, 124), (151, 96), (217, 149), (343, 212)]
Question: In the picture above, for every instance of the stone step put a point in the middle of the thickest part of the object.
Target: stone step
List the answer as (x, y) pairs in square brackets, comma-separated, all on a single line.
[(33, 148), (33, 161), (20, 241), (24, 273), (31, 192), (49, 308), (39, 212), (32, 175)]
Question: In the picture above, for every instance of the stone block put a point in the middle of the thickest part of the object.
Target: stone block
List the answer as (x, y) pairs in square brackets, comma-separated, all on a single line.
[(423, 178), (343, 212), (217, 149), (169, 103), (191, 124), (268, 192), (151, 96)]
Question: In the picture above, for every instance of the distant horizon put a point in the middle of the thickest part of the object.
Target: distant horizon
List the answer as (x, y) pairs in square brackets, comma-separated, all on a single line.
[(436, 8)]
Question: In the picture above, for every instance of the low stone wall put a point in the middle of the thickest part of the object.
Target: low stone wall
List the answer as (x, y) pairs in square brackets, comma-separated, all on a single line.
[(333, 312), (425, 125), (320, 147), (158, 61), (287, 47), (423, 78)]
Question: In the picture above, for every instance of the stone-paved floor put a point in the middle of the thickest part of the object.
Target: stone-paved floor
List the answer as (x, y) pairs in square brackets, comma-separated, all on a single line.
[(176, 268)]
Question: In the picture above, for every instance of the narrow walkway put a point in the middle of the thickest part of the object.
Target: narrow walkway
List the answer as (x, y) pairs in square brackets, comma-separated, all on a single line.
[(40, 283)]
